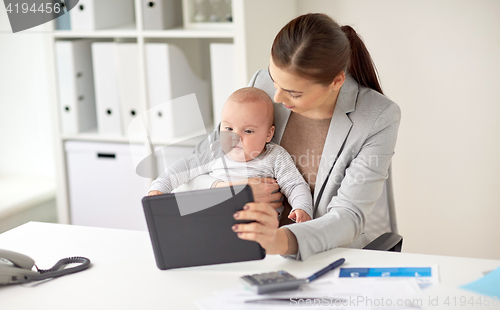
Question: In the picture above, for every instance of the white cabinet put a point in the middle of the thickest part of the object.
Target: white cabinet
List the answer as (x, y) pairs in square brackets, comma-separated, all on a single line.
[(252, 30), (104, 188)]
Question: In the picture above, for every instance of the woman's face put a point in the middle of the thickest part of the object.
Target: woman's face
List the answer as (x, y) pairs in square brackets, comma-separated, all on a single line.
[(303, 96)]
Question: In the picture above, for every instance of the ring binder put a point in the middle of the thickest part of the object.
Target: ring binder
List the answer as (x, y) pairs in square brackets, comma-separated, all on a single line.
[(106, 88), (100, 14), (161, 14), (223, 76), (169, 78), (76, 86)]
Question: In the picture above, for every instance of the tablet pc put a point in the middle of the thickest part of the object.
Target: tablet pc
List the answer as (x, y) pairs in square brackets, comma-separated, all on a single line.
[(194, 228)]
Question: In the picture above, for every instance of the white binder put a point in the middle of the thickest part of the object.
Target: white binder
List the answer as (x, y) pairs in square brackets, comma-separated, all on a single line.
[(106, 88), (128, 84), (178, 98), (101, 14), (223, 76), (76, 86), (161, 14)]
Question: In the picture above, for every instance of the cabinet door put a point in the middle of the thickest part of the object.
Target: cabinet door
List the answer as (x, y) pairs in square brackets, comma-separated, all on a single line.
[(104, 189)]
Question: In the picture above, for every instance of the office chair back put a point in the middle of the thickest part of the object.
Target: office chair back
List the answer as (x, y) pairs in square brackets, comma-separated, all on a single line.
[(381, 225), (383, 218)]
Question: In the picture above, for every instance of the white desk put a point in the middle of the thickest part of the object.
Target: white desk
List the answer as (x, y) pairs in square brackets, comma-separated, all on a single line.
[(124, 273)]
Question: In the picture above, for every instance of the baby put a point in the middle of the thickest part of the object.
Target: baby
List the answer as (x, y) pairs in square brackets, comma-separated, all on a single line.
[(244, 151)]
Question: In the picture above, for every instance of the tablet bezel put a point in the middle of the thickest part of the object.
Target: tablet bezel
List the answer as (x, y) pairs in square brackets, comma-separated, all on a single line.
[(201, 238)]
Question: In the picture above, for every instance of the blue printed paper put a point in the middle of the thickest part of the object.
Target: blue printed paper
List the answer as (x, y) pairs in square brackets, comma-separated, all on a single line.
[(386, 272), (488, 285), (425, 276)]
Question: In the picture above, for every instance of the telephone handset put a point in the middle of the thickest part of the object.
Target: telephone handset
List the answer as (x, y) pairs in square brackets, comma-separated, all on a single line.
[(17, 268)]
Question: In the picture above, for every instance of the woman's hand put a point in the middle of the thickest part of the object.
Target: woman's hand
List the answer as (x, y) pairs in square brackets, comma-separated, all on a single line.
[(154, 193), (263, 189), (265, 228)]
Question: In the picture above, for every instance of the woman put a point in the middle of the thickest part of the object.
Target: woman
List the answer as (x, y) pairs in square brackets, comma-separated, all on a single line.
[(331, 116)]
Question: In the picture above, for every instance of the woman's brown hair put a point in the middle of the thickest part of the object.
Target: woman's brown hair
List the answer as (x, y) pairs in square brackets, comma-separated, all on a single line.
[(314, 46)]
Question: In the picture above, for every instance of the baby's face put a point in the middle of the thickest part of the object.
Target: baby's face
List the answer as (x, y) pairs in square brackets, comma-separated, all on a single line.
[(249, 122)]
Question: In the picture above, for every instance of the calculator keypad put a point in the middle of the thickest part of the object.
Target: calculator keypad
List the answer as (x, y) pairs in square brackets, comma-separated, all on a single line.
[(270, 277)]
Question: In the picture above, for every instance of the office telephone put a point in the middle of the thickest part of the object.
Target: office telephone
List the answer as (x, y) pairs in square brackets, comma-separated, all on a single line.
[(17, 268)]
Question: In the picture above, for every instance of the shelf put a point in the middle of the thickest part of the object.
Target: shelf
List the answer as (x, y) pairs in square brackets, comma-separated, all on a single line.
[(93, 136), (126, 31), (131, 32), (188, 33), (179, 141)]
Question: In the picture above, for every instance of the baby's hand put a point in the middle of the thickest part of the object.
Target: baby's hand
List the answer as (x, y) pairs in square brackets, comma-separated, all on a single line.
[(153, 193), (299, 216)]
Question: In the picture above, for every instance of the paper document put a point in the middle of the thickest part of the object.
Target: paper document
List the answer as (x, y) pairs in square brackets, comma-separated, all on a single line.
[(425, 276), (376, 293), (443, 296), (488, 285)]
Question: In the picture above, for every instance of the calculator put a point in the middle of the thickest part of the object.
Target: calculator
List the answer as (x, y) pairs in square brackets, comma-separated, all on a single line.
[(263, 283), (276, 281)]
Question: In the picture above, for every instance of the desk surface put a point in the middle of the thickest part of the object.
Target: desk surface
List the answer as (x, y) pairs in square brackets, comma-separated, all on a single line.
[(124, 273)]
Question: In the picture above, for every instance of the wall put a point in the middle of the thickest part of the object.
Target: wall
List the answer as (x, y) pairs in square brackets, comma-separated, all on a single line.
[(26, 136), (439, 60)]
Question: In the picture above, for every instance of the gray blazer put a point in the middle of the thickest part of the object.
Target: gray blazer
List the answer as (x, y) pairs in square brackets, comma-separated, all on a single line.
[(362, 134)]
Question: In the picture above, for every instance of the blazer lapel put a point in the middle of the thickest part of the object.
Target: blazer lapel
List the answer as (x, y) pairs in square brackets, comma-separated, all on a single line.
[(338, 130)]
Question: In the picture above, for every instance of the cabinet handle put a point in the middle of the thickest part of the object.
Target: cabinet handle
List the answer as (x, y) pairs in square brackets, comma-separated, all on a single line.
[(106, 155), (151, 4)]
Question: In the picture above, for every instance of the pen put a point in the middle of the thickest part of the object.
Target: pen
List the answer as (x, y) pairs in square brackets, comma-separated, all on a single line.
[(332, 266)]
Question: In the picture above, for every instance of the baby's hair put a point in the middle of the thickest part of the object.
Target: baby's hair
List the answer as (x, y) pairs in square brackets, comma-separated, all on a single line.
[(251, 95)]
